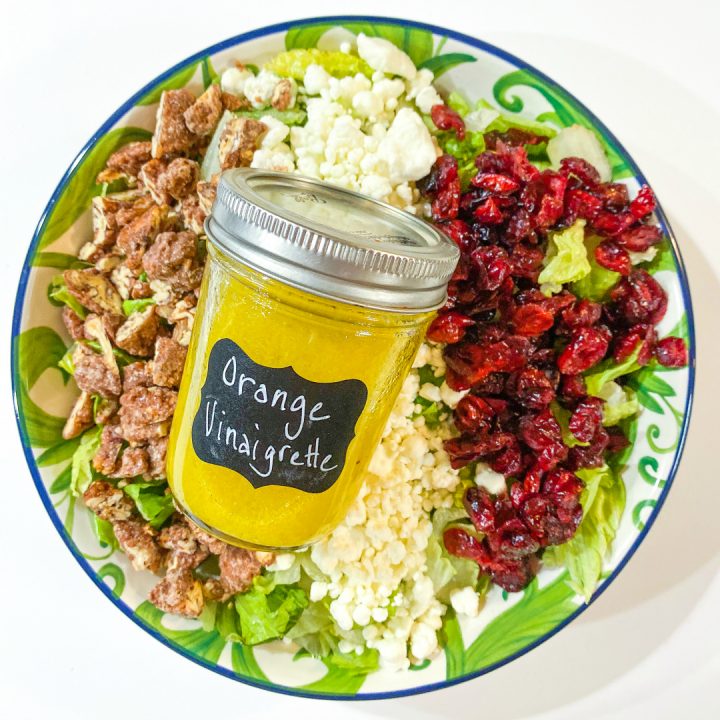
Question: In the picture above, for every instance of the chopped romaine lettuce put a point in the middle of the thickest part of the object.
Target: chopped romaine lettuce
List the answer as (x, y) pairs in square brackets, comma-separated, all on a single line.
[(598, 282), (426, 374), (620, 402), (566, 259), (294, 63), (609, 370), (131, 306), (151, 500), (59, 295), (603, 501), (287, 117), (268, 611), (562, 416), (104, 532), (81, 474), (314, 631), (465, 150), (446, 571)]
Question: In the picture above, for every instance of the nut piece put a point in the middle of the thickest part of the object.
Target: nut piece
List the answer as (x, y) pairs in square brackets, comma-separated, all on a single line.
[(137, 540), (239, 140), (106, 457), (179, 179), (157, 452), (73, 322), (173, 258), (150, 178), (134, 239), (93, 290), (172, 136), (238, 567), (203, 115), (168, 363), (80, 418), (108, 502), (93, 373), (133, 462), (137, 334), (206, 194), (145, 413), (179, 593), (136, 374), (130, 158), (283, 95)]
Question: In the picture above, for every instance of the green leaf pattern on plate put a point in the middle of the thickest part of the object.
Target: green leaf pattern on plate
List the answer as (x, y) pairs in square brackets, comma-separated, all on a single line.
[(519, 622)]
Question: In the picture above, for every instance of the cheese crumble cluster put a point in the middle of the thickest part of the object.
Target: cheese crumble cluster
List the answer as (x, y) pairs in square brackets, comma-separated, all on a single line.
[(365, 134)]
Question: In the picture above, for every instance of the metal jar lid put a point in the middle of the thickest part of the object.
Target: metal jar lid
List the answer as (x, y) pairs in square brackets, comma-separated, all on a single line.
[(330, 241)]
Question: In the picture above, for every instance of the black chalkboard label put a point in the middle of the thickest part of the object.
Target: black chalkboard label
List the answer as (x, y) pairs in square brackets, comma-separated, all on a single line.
[(273, 426)]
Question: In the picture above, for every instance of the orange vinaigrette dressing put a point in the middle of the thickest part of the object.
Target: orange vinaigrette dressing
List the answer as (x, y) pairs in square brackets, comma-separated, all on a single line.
[(313, 304)]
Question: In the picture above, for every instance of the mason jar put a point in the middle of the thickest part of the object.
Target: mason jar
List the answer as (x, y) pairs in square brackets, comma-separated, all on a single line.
[(313, 304)]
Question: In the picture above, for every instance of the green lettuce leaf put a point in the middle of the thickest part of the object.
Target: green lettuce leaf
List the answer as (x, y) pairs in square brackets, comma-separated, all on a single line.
[(294, 63), (267, 611), (465, 150), (354, 664), (620, 403), (433, 412), (288, 117), (599, 281), (566, 259), (563, 418), (59, 295), (104, 532), (131, 306), (151, 500), (446, 571), (314, 631), (603, 501), (609, 370), (81, 473)]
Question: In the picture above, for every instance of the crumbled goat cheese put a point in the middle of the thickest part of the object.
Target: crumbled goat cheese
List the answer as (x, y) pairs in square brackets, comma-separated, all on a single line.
[(233, 80), (644, 256), (492, 481), (258, 89), (465, 601), (407, 148), (382, 55)]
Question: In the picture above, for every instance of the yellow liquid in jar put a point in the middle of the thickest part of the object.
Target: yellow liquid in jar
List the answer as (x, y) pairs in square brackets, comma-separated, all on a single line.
[(323, 341)]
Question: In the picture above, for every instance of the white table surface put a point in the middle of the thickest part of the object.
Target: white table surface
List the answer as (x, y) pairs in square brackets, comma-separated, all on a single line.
[(650, 647)]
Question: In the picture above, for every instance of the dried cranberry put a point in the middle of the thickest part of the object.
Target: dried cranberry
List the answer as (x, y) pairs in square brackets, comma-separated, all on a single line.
[(531, 388), (586, 419), (639, 238), (592, 455), (489, 212), (572, 387), (446, 118), (508, 462), (480, 508), (540, 431), (643, 204), (525, 261), (449, 327), (583, 313), (616, 440), (459, 231), (639, 298), (581, 204), (672, 352), (582, 169), (493, 266), (494, 182), (613, 223), (532, 319), (627, 343), (611, 256), (587, 346), (472, 414), (614, 196)]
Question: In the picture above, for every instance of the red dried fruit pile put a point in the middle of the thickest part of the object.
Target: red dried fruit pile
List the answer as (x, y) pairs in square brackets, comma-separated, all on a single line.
[(517, 350)]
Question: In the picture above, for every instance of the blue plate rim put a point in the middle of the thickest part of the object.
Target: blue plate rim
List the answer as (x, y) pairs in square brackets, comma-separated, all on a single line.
[(108, 124)]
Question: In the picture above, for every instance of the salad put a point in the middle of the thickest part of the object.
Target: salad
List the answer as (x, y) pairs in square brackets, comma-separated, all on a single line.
[(505, 448)]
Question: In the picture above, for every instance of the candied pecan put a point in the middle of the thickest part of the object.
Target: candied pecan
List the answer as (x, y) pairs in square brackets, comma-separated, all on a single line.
[(283, 95), (130, 158), (73, 322), (137, 334), (150, 175), (203, 115), (157, 451), (105, 410), (213, 590), (134, 239), (179, 593), (93, 290), (80, 418), (172, 136), (93, 373), (179, 178), (233, 102), (145, 413), (185, 550), (206, 195), (108, 502), (133, 462), (136, 374), (137, 540), (168, 362), (192, 214), (173, 258), (106, 456), (238, 568), (214, 545), (239, 140)]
